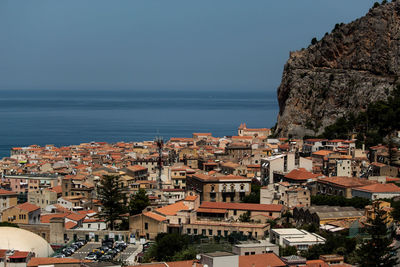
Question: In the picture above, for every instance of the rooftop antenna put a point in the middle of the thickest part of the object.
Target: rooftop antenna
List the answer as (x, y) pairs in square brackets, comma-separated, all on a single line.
[(160, 143)]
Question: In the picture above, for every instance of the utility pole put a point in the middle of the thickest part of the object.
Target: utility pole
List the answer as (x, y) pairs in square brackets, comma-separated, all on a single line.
[(160, 143)]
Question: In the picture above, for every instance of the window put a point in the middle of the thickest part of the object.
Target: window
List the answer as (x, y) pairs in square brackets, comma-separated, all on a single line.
[(247, 253), (195, 231), (203, 232), (225, 233), (146, 226), (253, 253), (234, 212), (210, 231), (219, 232), (188, 231)]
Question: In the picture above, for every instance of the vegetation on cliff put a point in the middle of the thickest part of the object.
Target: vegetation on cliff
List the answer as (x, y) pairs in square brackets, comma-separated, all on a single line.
[(380, 120)]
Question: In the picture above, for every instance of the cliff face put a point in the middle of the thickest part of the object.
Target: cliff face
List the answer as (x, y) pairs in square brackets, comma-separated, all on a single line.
[(354, 65)]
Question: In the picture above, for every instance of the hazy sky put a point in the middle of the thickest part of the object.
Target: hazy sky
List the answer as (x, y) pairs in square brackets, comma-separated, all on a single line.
[(159, 44)]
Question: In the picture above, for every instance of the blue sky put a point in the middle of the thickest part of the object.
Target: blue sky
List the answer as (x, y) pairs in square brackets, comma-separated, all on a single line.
[(159, 44)]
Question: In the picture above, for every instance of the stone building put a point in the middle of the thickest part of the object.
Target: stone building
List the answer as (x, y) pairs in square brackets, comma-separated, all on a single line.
[(228, 188)]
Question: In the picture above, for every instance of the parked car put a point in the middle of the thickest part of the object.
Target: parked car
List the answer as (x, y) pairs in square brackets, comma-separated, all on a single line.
[(92, 257), (59, 255)]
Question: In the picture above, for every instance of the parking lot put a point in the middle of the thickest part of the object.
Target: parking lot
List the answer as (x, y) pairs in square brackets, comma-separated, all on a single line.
[(124, 255), (84, 251)]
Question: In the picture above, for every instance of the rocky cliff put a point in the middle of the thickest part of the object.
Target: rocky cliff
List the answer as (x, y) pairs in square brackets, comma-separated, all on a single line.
[(354, 65)]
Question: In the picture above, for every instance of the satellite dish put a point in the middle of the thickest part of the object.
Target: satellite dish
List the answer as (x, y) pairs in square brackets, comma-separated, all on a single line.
[(198, 257)]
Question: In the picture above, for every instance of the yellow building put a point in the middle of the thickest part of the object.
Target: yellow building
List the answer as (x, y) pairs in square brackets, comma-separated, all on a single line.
[(25, 213), (370, 211), (7, 199)]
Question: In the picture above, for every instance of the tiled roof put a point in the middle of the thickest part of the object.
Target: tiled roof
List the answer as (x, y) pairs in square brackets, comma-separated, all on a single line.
[(379, 188), (155, 216), (190, 198), (136, 168), (27, 207), (6, 192), (260, 260), (301, 174), (346, 181), (173, 208), (50, 261), (189, 263), (76, 216), (56, 189), (45, 218), (323, 152), (70, 225), (242, 206)]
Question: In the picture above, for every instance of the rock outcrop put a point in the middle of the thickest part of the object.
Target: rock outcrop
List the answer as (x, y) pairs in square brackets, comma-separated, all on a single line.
[(356, 64)]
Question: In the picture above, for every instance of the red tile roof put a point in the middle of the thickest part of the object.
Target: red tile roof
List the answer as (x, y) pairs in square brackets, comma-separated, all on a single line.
[(6, 192), (45, 218), (190, 198), (260, 260), (172, 209), (50, 261), (346, 181), (155, 216), (70, 225), (27, 207), (380, 188), (301, 174)]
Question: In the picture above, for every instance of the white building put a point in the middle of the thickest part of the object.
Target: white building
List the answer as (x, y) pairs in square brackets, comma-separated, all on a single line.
[(283, 163), (300, 239), (93, 224)]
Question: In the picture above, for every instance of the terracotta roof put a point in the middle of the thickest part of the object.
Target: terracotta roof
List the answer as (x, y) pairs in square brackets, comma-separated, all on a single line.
[(136, 168), (260, 260), (155, 216), (6, 192), (301, 174), (49, 261), (323, 152), (56, 189), (380, 188), (346, 181), (242, 206), (207, 210), (190, 263), (76, 216), (190, 198), (70, 225), (20, 255), (45, 218), (172, 209), (27, 207)]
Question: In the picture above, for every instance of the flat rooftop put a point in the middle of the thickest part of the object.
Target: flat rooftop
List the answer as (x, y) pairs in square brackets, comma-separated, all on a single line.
[(219, 254)]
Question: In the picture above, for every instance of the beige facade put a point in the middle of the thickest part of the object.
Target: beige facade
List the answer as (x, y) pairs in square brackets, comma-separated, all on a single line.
[(147, 225), (228, 188), (42, 198), (7, 200), (213, 228), (285, 194), (25, 213)]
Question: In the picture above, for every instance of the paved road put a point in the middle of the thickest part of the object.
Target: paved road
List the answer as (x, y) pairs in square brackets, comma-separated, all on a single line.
[(84, 251), (128, 251)]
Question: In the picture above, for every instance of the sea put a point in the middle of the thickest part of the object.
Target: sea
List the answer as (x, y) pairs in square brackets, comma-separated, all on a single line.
[(71, 117)]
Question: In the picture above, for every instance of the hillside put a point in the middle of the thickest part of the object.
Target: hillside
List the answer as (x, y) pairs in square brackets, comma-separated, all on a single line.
[(341, 74)]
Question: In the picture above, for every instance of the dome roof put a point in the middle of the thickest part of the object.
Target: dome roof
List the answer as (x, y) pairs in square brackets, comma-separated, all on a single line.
[(23, 240)]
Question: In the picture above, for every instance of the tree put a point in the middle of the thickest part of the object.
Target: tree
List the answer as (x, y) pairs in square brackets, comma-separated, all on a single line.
[(245, 217), (287, 251), (139, 202), (314, 41), (111, 197), (254, 196), (167, 246), (377, 251)]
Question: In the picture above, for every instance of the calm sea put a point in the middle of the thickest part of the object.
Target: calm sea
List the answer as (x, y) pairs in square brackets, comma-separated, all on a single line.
[(73, 117)]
